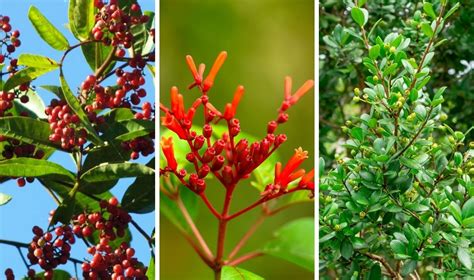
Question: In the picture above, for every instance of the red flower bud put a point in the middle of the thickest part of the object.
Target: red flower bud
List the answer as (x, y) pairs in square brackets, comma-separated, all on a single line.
[(227, 174), (219, 146), (204, 171), (271, 127), (207, 131), (208, 155), (199, 142), (217, 163)]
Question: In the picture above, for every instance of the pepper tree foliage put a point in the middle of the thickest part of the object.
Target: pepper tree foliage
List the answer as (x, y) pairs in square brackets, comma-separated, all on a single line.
[(399, 200), (342, 69), (103, 126), (195, 156)]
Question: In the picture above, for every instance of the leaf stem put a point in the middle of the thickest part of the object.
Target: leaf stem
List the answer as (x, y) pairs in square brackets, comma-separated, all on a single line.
[(244, 258), (246, 237)]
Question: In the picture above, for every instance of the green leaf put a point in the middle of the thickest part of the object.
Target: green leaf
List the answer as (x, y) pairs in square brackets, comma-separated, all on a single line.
[(25, 75), (34, 107), (54, 89), (237, 273), (357, 133), (81, 18), (150, 273), (140, 195), (170, 209), (113, 171), (96, 54), (29, 167), (4, 199), (346, 249), (294, 242), (408, 267), (360, 15), (27, 130), (65, 211), (465, 257), (428, 8), (141, 35), (47, 31), (37, 61), (468, 208), (455, 210), (426, 29), (76, 108), (57, 275), (375, 272), (374, 51), (452, 10)]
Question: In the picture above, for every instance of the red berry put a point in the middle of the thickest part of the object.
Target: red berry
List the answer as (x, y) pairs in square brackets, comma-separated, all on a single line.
[(113, 201), (21, 182)]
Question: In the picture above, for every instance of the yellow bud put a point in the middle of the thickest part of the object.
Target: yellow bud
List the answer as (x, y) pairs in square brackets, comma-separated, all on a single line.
[(430, 220), (356, 91), (393, 49), (362, 214)]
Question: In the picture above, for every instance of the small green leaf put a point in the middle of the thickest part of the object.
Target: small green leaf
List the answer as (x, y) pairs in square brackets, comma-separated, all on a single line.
[(346, 249), (458, 158), (96, 54), (408, 267), (465, 257), (237, 273), (294, 242), (4, 199), (374, 51), (426, 29), (47, 31), (76, 108), (468, 208), (357, 133), (360, 15), (65, 211), (375, 272), (428, 8), (452, 10)]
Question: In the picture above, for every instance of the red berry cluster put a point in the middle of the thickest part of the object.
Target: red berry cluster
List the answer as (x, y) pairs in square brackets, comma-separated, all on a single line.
[(64, 125), (142, 145), (16, 148), (9, 274), (111, 221), (113, 24), (118, 264), (49, 251), (10, 40)]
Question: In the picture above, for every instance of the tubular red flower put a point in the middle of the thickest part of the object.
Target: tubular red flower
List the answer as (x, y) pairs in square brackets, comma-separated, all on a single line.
[(295, 161), (209, 81), (167, 148), (307, 180), (172, 124), (288, 83), (194, 71), (301, 91), (237, 97)]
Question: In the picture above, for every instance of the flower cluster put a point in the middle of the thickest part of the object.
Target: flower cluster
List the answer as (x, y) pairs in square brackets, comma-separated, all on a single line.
[(226, 158)]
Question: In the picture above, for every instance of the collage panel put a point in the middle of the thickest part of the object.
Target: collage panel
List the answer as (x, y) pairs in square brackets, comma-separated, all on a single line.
[(396, 143), (77, 129), (237, 139)]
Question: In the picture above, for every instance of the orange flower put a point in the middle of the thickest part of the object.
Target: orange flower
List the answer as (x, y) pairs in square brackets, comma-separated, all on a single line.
[(167, 148), (286, 175), (172, 124), (301, 91), (307, 180), (231, 109), (288, 87), (209, 81), (194, 71)]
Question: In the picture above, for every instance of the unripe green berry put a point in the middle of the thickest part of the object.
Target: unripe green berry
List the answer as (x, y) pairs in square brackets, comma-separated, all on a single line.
[(459, 171), (443, 117), (337, 227), (471, 145), (362, 214), (451, 140), (356, 98), (471, 171), (356, 91), (430, 220), (434, 145), (328, 199), (393, 49), (345, 129), (376, 78)]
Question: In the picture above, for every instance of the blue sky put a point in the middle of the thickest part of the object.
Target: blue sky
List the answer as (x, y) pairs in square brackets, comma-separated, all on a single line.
[(31, 204)]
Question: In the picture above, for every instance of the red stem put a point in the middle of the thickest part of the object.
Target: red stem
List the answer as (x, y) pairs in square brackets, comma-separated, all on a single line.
[(246, 237), (245, 258), (222, 230), (209, 205)]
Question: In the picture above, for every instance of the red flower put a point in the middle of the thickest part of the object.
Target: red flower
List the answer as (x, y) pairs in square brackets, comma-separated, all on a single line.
[(167, 148), (172, 124), (231, 109), (307, 180), (209, 81), (288, 175)]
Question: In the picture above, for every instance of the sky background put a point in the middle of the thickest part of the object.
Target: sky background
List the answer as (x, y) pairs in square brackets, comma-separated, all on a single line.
[(31, 204)]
